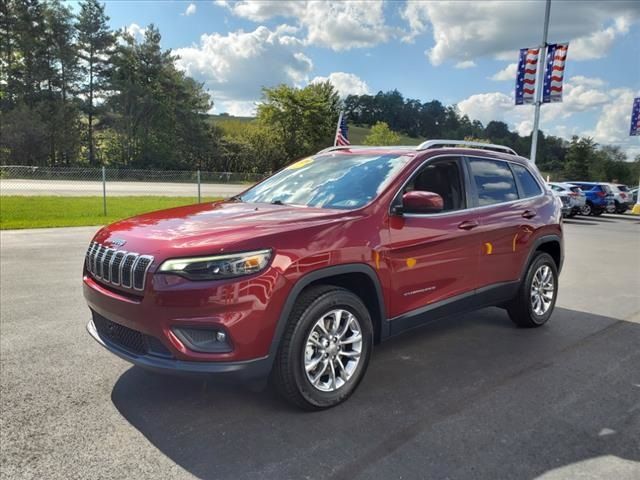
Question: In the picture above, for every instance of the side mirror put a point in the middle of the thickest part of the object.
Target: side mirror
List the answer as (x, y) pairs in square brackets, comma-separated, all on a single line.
[(422, 202)]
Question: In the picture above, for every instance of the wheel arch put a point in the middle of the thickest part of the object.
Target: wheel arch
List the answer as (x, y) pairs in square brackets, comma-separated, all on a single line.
[(551, 244), (358, 278)]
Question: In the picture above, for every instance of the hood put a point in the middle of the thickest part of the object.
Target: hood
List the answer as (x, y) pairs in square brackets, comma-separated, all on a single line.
[(212, 227)]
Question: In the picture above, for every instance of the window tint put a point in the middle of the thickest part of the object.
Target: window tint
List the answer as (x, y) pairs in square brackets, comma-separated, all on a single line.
[(530, 187), (443, 178), (493, 180)]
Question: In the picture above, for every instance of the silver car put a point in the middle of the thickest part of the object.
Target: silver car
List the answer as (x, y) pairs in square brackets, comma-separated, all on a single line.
[(576, 197), (621, 197)]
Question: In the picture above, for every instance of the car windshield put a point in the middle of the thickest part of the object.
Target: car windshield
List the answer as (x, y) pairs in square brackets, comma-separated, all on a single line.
[(329, 181)]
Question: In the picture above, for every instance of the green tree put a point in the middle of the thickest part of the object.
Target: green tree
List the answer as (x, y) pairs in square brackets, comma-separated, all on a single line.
[(381, 134), (157, 111), (304, 119), (579, 156), (95, 42)]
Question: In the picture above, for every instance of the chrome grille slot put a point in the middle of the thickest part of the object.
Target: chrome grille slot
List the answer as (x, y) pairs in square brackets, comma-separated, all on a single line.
[(106, 264), (126, 269), (117, 267), (140, 271)]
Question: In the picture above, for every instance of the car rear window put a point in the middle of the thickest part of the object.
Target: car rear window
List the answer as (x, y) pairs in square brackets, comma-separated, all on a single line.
[(528, 184), (623, 188), (493, 180)]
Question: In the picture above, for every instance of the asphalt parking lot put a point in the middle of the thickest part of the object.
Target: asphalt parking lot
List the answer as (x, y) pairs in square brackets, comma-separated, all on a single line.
[(467, 397)]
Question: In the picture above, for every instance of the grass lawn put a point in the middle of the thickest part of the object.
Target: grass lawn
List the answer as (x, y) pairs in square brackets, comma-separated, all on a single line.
[(54, 211)]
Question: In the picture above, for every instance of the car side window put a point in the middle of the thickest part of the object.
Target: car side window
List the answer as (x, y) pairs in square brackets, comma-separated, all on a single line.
[(493, 180), (530, 188), (443, 177)]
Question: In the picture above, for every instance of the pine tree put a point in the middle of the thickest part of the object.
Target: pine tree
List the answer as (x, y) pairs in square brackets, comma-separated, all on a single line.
[(95, 42)]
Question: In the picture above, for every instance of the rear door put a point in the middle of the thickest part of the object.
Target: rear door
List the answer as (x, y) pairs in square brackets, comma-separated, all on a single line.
[(507, 197)]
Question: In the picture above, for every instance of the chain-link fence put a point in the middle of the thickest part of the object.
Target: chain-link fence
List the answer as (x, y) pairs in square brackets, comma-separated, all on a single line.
[(110, 192)]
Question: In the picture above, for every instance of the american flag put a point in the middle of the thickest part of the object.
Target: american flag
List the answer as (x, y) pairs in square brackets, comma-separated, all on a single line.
[(526, 79), (342, 132), (554, 74), (635, 118)]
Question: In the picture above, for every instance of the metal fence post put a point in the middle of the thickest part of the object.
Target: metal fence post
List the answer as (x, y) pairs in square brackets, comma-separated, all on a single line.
[(104, 191), (198, 177)]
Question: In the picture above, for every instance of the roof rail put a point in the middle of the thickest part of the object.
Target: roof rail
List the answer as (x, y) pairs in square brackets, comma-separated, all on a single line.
[(369, 147), (462, 143)]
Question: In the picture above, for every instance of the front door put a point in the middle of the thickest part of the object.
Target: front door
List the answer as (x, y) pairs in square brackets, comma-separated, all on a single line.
[(433, 256)]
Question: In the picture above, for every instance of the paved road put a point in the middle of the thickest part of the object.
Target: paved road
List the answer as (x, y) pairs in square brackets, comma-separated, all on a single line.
[(467, 397), (69, 188)]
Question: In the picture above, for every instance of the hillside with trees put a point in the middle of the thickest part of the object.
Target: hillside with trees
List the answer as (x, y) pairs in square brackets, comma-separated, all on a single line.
[(74, 92)]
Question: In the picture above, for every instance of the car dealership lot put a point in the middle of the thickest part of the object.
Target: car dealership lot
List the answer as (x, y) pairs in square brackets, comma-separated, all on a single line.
[(467, 397)]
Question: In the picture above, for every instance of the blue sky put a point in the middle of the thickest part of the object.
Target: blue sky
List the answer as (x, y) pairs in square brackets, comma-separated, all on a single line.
[(457, 52)]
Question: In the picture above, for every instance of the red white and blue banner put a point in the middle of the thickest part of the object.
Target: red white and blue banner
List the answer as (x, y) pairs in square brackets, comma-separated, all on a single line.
[(554, 73), (342, 132), (635, 118), (526, 76)]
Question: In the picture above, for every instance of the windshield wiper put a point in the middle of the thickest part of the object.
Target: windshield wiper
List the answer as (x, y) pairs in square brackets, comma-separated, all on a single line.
[(277, 202), (236, 198)]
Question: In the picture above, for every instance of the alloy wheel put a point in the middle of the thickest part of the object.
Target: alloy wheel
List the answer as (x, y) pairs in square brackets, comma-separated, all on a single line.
[(542, 290), (333, 350)]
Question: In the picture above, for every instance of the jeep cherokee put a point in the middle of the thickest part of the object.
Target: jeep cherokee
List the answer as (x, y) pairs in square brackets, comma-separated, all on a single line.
[(299, 276)]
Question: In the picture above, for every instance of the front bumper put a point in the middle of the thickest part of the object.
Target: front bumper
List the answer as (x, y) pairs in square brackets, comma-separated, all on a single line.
[(245, 370)]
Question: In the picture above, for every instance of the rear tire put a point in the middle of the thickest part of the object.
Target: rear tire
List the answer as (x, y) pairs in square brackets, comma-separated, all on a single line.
[(315, 371), (587, 209), (536, 297)]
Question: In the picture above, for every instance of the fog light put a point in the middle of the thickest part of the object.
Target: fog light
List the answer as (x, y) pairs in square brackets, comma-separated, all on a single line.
[(203, 339)]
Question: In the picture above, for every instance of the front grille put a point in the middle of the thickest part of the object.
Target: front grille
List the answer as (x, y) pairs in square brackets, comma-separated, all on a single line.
[(129, 339), (118, 267)]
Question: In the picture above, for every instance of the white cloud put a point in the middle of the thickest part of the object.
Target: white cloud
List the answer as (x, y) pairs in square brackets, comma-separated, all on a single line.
[(465, 64), (614, 120), (135, 30), (236, 108), (345, 83), (507, 73), (237, 65), (333, 24), (489, 106), (463, 30), (191, 9), (580, 94)]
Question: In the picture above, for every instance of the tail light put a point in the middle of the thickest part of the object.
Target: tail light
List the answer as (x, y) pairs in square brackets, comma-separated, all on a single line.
[(573, 194), (601, 194)]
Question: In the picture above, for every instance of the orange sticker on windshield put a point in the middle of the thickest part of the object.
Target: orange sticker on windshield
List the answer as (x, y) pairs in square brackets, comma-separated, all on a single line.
[(300, 163)]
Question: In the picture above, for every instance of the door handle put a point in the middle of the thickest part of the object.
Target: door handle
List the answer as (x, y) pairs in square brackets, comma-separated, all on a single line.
[(529, 213), (468, 224)]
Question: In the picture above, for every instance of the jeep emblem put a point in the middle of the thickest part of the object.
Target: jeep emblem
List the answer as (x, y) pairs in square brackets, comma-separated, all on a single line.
[(118, 242)]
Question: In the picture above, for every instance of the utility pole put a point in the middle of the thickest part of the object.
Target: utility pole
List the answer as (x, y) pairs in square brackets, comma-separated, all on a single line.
[(542, 56)]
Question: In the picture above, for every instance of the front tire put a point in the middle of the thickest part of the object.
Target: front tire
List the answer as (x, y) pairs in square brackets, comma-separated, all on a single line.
[(536, 297), (325, 349), (587, 209)]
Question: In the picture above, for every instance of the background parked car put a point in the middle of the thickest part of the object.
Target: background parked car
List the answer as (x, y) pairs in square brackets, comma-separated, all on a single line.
[(599, 197), (576, 197), (621, 197), (634, 195)]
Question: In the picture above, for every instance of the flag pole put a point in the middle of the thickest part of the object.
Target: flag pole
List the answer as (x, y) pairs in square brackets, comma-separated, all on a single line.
[(542, 55), (335, 137)]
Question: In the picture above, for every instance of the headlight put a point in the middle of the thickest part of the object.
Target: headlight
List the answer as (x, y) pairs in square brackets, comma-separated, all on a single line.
[(218, 266)]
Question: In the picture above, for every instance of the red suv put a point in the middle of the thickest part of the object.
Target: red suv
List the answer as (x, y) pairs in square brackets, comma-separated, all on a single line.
[(300, 275)]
